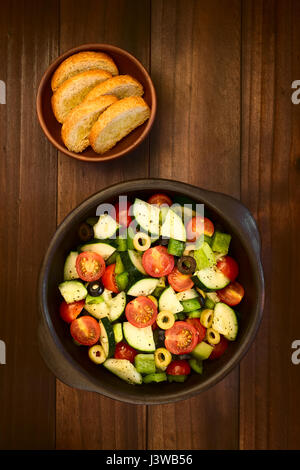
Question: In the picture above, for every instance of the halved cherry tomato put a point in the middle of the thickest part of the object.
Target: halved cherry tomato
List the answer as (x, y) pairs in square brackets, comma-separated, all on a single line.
[(85, 330), (201, 330), (180, 282), (124, 351), (180, 367), (70, 312), (122, 214), (181, 338), (157, 262), (90, 266), (232, 294), (109, 279), (141, 312), (198, 226), (159, 199), (219, 349), (229, 267)]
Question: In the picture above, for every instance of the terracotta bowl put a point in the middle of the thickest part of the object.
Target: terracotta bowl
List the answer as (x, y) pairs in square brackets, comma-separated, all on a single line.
[(71, 364), (127, 64)]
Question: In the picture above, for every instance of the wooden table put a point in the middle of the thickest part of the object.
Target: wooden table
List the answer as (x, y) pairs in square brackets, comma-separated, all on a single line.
[(223, 71)]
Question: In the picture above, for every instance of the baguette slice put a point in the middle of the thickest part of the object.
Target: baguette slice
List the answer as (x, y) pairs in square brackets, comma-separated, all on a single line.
[(117, 121), (77, 126), (121, 86), (81, 62), (73, 91)]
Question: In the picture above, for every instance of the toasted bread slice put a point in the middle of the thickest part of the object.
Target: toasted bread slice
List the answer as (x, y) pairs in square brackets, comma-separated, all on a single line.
[(117, 121), (81, 62), (73, 91), (77, 126), (121, 86)]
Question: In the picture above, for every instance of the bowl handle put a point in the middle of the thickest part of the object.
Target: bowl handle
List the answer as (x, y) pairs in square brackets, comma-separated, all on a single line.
[(56, 361)]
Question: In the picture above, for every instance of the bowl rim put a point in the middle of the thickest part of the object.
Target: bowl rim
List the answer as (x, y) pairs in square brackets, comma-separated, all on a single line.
[(180, 394), (105, 48)]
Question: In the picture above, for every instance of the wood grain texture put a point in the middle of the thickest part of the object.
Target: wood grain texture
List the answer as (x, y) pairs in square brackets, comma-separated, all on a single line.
[(27, 219), (269, 383), (195, 64), (87, 414)]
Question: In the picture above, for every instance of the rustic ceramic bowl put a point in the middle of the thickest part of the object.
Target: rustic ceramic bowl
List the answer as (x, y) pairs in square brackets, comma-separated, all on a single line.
[(71, 364), (127, 64)]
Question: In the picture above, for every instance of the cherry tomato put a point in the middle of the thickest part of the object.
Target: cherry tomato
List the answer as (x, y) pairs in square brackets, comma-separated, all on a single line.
[(141, 312), (229, 267), (219, 349), (85, 330), (122, 214), (124, 351), (109, 279), (198, 226), (231, 294), (70, 312), (159, 199), (181, 338), (180, 282), (157, 262), (180, 367), (201, 330), (90, 266)]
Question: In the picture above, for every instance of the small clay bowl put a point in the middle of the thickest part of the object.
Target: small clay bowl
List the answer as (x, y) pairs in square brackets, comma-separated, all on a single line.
[(127, 64)]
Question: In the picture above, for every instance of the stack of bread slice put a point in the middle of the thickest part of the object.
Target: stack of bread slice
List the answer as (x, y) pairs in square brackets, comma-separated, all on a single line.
[(95, 105)]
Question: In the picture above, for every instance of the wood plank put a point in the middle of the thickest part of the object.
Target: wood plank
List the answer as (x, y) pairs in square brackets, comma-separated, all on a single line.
[(269, 383), (195, 62), (27, 219), (82, 417)]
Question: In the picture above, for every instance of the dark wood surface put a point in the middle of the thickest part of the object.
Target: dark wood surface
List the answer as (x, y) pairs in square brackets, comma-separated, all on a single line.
[(223, 71)]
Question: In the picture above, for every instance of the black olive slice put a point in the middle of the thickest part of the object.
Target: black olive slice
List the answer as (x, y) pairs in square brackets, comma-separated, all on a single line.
[(85, 232), (95, 288), (186, 265)]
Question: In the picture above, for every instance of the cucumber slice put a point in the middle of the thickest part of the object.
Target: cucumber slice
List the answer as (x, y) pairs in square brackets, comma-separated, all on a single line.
[(70, 271), (143, 287), (132, 262), (99, 310), (107, 337), (117, 306), (106, 227), (103, 249), (147, 216), (173, 227), (119, 265), (118, 332), (139, 338), (124, 370), (225, 321), (168, 301), (210, 279), (202, 351), (197, 366), (187, 295), (136, 260), (72, 291)]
